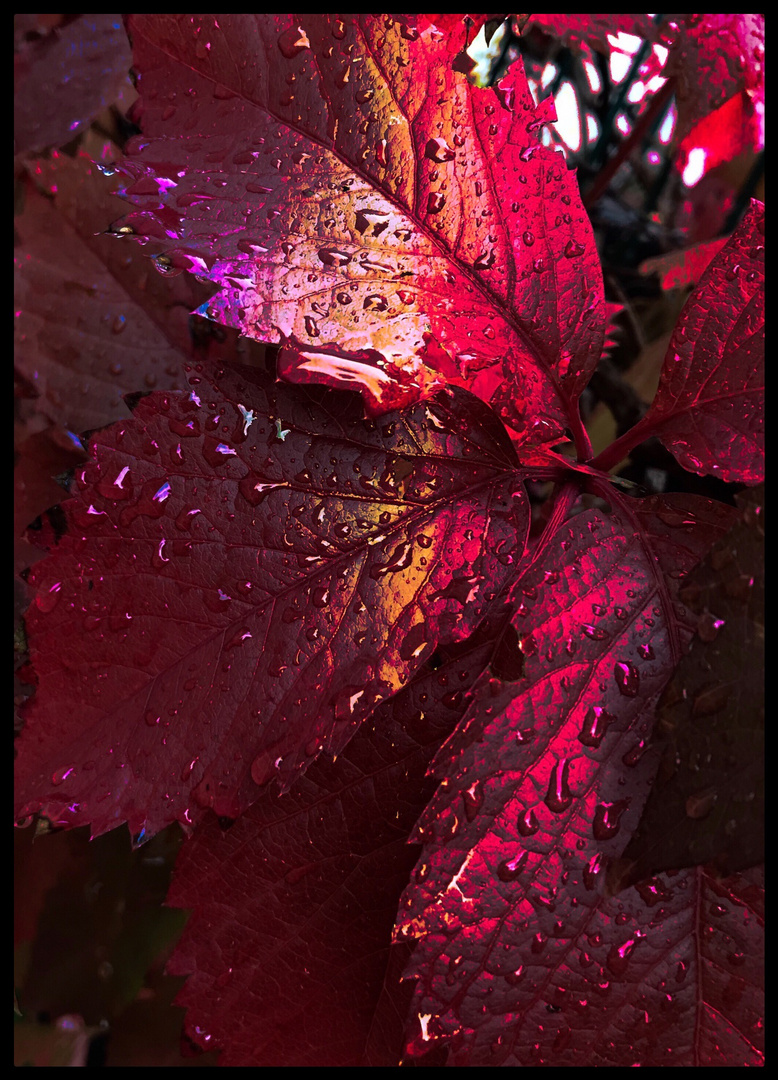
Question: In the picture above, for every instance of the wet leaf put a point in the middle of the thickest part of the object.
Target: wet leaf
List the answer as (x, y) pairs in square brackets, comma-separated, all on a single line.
[(541, 789), (248, 570), (339, 205), (709, 407)]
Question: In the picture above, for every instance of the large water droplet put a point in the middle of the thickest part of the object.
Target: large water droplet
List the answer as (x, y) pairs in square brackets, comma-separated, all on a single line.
[(293, 41), (627, 679), (595, 726), (510, 869), (528, 823), (607, 818), (439, 150), (559, 797), (60, 775)]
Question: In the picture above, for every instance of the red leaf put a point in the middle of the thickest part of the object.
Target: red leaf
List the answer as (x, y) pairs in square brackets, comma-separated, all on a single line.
[(535, 799), (62, 80), (709, 407), (594, 29), (351, 191), (247, 571), (713, 57), (288, 946)]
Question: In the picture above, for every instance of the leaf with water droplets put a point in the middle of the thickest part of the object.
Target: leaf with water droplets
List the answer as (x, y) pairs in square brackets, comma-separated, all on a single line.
[(319, 573), (709, 408), (708, 803), (541, 785), (92, 321), (353, 194)]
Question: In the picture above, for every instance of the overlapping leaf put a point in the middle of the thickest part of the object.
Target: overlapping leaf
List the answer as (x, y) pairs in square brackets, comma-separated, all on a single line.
[(247, 571), (288, 946), (64, 74), (709, 408), (351, 191), (546, 782), (93, 319)]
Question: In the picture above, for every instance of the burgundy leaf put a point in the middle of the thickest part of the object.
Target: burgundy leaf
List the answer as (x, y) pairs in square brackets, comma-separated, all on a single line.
[(93, 320), (350, 191), (545, 782), (288, 946), (709, 407), (708, 802), (63, 79), (248, 570)]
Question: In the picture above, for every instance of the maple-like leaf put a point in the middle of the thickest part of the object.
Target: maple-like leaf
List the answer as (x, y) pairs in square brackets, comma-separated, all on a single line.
[(64, 74), (351, 191), (533, 804), (287, 950), (709, 407), (247, 571)]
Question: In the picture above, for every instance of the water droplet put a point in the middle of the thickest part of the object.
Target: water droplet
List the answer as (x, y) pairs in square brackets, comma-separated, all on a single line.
[(528, 823), (46, 599), (618, 956), (485, 260), (607, 818), (592, 871), (596, 633), (333, 257), (595, 726), (254, 490), (711, 699), (473, 798), (701, 803), (559, 797), (510, 869), (528, 238), (573, 249), (435, 202), (292, 42), (439, 150), (62, 774), (627, 679)]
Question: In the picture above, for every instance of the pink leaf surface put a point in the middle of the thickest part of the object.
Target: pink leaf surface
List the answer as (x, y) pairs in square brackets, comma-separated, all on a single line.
[(365, 197), (247, 571), (545, 782), (63, 79), (288, 946), (713, 58), (709, 408)]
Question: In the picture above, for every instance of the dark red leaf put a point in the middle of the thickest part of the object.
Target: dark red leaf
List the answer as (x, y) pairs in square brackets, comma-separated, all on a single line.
[(545, 782), (63, 79), (248, 571), (288, 946), (709, 407), (350, 191), (708, 803), (93, 320)]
